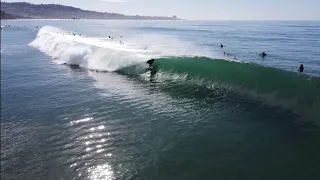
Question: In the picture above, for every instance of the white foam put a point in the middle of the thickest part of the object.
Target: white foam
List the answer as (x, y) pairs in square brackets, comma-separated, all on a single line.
[(106, 54)]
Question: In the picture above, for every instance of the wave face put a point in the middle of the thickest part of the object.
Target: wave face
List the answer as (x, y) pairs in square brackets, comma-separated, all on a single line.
[(290, 90)]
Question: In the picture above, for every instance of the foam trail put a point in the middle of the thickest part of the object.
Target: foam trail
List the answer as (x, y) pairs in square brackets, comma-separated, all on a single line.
[(104, 54)]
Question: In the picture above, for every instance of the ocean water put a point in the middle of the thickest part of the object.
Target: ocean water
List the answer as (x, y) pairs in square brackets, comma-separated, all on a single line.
[(84, 106)]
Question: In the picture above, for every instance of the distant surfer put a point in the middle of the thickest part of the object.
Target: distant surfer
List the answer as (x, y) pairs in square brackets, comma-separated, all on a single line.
[(221, 45), (224, 53), (263, 54), (301, 68)]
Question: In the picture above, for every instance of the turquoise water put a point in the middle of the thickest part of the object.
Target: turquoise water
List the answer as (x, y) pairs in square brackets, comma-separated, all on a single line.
[(87, 107)]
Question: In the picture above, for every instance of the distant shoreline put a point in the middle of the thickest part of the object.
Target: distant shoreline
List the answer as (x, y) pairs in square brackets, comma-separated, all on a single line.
[(24, 10), (97, 19)]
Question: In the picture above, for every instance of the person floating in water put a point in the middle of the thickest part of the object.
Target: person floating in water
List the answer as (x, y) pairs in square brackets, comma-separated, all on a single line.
[(301, 68), (263, 54), (221, 45), (224, 53)]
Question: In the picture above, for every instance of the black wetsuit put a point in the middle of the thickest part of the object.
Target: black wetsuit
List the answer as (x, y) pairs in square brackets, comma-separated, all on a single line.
[(150, 62), (301, 68)]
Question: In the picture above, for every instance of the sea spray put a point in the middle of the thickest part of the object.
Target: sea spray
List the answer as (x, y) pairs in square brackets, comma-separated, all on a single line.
[(105, 54)]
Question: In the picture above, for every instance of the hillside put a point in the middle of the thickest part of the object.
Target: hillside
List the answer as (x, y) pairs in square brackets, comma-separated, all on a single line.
[(5, 15), (55, 11)]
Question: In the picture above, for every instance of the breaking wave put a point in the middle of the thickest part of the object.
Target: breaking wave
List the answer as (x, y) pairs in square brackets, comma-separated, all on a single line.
[(290, 90)]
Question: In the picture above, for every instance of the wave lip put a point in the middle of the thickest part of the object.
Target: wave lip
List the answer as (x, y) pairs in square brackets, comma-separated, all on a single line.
[(90, 53)]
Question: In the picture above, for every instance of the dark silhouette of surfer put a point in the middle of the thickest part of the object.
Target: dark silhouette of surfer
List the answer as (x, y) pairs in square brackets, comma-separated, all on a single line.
[(263, 54), (153, 71), (301, 68), (150, 62), (221, 45)]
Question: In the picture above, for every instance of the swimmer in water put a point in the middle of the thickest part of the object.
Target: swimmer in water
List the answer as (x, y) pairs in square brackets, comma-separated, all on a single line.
[(221, 45)]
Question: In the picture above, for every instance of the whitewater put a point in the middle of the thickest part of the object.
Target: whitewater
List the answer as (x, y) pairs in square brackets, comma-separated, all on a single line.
[(106, 54)]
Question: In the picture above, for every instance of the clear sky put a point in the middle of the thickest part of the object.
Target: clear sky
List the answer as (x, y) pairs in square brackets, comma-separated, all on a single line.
[(202, 9)]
